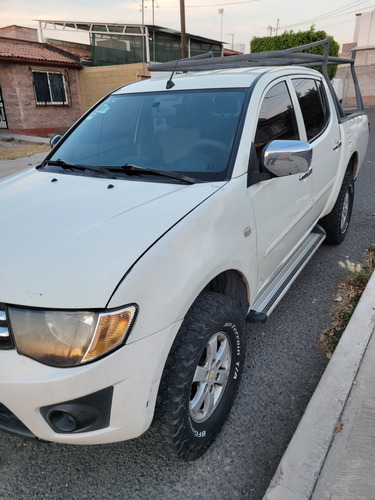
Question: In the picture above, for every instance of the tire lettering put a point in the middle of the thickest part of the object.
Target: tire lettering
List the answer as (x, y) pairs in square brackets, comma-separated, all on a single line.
[(235, 331), (196, 433), (199, 434)]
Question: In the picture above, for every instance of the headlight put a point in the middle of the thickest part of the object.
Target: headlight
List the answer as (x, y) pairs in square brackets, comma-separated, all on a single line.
[(69, 338)]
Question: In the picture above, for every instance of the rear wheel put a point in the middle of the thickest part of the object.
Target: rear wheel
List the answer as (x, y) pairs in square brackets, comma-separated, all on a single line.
[(336, 223), (202, 375)]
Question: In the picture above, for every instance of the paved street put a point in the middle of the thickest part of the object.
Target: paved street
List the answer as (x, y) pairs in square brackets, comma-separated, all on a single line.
[(284, 365)]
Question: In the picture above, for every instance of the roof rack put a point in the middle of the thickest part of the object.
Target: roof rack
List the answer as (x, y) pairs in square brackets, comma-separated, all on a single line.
[(292, 56)]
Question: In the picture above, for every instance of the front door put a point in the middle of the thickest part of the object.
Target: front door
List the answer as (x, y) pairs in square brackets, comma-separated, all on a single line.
[(282, 205)]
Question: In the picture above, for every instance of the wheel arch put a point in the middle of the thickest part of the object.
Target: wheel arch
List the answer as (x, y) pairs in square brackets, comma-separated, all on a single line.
[(336, 222), (232, 284), (353, 164)]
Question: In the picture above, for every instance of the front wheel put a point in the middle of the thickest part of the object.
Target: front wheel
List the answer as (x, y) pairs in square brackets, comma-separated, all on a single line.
[(336, 223), (202, 375)]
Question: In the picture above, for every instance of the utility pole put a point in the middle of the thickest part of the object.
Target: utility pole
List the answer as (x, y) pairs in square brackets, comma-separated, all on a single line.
[(143, 36), (153, 31), (183, 30), (274, 30)]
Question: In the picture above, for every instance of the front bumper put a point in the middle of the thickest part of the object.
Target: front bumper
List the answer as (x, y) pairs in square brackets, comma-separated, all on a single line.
[(31, 392)]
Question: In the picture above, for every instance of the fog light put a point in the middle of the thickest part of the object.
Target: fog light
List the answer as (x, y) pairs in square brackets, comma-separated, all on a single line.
[(63, 421), (85, 414)]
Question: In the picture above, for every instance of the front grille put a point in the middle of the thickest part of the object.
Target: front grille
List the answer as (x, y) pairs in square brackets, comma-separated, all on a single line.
[(5, 336), (10, 423)]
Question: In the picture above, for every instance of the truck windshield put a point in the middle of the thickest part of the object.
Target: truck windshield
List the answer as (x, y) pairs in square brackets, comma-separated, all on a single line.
[(190, 132)]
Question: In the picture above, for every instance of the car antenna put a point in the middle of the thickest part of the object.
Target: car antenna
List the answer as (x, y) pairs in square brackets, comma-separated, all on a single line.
[(170, 83)]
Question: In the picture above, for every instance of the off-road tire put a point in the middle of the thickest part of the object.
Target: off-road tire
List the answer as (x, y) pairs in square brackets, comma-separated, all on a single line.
[(336, 223), (207, 355)]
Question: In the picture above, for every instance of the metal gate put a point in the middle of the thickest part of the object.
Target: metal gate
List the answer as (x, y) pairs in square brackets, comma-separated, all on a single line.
[(3, 117)]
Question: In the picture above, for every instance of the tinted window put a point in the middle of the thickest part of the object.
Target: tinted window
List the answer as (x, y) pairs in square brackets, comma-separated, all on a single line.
[(276, 118), (313, 105), (188, 132)]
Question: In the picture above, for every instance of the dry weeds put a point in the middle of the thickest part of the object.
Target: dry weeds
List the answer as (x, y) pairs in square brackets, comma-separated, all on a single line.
[(11, 149), (349, 292)]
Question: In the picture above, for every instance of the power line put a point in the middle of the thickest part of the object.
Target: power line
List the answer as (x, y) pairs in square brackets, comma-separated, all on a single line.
[(343, 10), (209, 5), (340, 10)]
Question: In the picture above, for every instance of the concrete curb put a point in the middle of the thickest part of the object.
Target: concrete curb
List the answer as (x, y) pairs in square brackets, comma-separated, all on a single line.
[(304, 458)]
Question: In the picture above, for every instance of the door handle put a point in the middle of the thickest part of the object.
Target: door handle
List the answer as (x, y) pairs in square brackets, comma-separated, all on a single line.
[(337, 145), (305, 174)]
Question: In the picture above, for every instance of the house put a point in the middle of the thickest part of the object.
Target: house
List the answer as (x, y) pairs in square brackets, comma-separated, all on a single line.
[(46, 83), (363, 49), (39, 84), (120, 53)]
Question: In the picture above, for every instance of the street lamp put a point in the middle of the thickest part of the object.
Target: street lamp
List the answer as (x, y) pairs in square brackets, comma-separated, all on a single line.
[(221, 12)]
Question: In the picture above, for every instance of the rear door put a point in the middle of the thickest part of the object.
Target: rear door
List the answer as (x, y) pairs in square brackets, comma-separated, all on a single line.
[(321, 129)]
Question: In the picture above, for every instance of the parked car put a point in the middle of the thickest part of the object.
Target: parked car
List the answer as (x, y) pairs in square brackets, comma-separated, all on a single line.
[(175, 211)]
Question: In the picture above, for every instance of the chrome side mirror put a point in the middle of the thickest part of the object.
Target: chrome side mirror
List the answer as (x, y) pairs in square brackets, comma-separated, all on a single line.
[(282, 158), (55, 140)]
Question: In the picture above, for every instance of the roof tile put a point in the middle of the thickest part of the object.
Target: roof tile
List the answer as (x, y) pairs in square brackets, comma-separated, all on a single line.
[(34, 51)]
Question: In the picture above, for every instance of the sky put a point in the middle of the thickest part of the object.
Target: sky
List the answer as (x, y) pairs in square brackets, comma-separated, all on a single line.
[(232, 21)]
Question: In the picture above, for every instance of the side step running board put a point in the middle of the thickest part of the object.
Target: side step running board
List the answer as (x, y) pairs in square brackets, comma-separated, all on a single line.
[(268, 299)]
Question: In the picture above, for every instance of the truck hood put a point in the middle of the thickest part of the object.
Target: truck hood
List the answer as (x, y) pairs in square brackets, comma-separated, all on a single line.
[(67, 240)]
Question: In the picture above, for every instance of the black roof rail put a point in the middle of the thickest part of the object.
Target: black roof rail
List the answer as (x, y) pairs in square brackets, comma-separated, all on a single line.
[(291, 56)]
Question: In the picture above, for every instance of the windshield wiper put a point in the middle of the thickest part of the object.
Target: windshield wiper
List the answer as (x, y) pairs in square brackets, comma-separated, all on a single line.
[(129, 167), (73, 166)]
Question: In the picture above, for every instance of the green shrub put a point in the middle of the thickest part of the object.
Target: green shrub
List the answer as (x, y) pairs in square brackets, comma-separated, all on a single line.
[(290, 39)]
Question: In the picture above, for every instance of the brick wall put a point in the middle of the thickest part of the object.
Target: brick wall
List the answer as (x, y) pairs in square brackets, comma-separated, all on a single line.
[(99, 81), (20, 33), (22, 112)]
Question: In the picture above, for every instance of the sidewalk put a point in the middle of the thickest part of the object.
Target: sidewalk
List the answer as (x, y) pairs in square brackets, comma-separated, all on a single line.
[(332, 452), (8, 167), (21, 137)]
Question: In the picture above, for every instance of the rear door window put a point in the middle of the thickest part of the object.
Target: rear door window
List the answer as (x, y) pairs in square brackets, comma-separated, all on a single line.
[(313, 104)]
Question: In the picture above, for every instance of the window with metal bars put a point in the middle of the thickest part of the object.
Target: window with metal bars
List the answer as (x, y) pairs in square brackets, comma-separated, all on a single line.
[(49, 88)]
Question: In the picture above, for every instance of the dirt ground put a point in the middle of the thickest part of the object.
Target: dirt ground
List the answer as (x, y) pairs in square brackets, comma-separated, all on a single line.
[(11, 149)]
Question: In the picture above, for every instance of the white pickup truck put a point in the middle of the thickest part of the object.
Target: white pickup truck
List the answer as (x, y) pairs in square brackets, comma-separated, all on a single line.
[(175, 211)]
